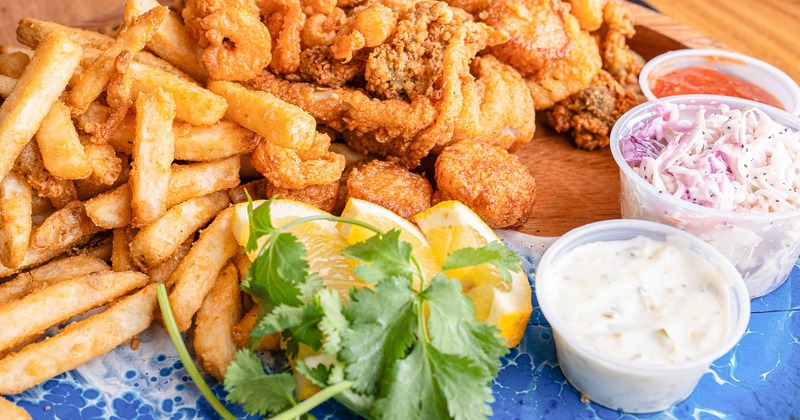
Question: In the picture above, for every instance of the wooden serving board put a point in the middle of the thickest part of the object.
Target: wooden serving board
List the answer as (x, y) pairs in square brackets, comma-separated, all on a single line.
[(573, 187)]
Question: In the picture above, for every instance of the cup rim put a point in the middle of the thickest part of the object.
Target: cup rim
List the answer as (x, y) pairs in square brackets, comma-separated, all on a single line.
[(692, 100), (735, 282), (789, 84)]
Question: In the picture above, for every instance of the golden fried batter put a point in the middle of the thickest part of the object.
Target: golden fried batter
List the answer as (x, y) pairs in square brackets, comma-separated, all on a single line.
[(285, 169), (366, 27), (239, 45), (618, 59), (285, 20), (471, 6), (323, 197), (489, 180), (318, 65), (391, 186), (537, 31), (589, 13), (320, 29)]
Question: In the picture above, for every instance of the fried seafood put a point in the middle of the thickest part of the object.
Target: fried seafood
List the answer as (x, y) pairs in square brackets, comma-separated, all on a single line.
[(589, 114), (367, 27), (285, 169), (320, 29), (537, 31), (314, 7), (318, 65), (471, 6), (589, 13), (392, 186), (618, 59), (489, 180), (324, 197), (285, 20), (572, 73)]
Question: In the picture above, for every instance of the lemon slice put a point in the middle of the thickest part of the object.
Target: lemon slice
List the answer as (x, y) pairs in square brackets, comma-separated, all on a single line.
[(449, 226), (385, 220), (321, 238)]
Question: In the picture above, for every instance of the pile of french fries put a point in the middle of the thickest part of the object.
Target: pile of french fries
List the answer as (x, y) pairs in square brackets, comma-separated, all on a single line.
[(118, 171)]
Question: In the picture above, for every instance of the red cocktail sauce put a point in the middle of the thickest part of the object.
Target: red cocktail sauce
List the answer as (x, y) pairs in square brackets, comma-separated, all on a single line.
[(698, 80)]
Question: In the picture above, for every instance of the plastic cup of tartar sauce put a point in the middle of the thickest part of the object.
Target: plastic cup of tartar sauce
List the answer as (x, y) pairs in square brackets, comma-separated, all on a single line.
[(764, 247), (639, 311)]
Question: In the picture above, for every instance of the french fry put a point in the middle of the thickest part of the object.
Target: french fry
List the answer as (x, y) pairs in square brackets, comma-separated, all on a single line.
[(112, 209), (278, 122), (37, 89), (37, 256), (161, 272), (95, 78), (66, 226), (199, 179), (31, 32), (194, 104), (241, 333), (195, 275), (121, 259), (220, 311), (30, 165), (78, 343), (49, 274), (170, 42), (153, 151), (98, 246), (15, 219), (161, 238), (13, 64), (11, 411), (86, 189), (218, 141), (62, 152), (106, 165), (61, 301), (6, 86)]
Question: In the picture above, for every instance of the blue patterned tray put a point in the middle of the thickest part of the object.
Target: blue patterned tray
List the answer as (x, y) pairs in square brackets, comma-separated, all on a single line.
[(758, 379)]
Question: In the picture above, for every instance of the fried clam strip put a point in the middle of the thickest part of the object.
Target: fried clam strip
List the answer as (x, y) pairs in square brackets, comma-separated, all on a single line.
[(15, 219), (94, 79), (40, 85), (194, 277), (78, 343), (171, 41), (11, 411), (160, 239), (61, 301), (48, 275), (31, 32), (220, 311)]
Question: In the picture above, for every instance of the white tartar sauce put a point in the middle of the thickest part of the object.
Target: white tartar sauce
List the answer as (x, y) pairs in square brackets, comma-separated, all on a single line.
[(642, 300)]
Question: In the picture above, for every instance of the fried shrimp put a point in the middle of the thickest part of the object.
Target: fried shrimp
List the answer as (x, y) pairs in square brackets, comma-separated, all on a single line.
[(285, 20), (589, 13), (239, 45), (324, 197), (285, 169), (366, 28), (489, 180), (320, 29), (618, 59), (391, 186), (537, 31)]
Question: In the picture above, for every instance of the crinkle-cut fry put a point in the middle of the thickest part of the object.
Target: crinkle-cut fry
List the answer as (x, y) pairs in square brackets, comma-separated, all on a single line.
[(195, 275), (6, 85), (62, 152), (256, 189), (49, 274), (278, 122), (220, 311), (161, 272), (94, 79), (218, 141), (193, 103), (170, 42), (31, 32), (284, 168), (111, 209), (13, 64), (66, 226), (34, 93), (160, 239), (153, 151), (30, 165), (78, 343), (106, 165), (199, 179), (121, 258), (16, 203), (241, 332), (11, 411), (35, 313)]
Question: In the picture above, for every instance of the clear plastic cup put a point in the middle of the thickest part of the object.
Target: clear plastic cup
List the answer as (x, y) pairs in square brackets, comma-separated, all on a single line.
[(626, 385), (764, 247), (755, 71)]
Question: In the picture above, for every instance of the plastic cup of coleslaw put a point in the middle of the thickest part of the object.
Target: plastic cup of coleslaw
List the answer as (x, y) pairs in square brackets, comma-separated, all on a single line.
[(763, 246), (614, 379)]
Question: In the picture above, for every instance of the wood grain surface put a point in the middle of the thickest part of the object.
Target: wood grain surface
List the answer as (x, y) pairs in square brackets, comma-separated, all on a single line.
[(574, 187)]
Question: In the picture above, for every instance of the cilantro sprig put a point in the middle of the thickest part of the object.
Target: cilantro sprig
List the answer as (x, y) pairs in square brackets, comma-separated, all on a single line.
[(400, 348)]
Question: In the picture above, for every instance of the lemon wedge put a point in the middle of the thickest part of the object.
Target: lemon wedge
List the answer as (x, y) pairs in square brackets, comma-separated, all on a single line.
[(451, 225)]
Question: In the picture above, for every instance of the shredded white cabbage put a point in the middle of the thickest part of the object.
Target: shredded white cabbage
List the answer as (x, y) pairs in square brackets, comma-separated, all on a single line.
[(734, 160)]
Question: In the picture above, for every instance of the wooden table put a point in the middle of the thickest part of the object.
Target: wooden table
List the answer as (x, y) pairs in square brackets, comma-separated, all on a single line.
[(575, 187)]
